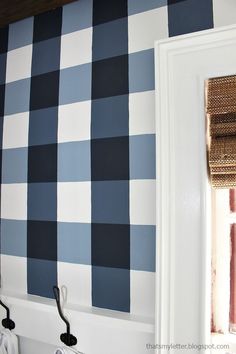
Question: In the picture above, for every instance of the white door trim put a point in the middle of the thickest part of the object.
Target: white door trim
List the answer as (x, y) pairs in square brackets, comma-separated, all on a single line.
[(183, 275)]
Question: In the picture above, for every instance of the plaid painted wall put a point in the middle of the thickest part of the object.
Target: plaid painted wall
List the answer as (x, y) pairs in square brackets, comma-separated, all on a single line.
[(78, 147)]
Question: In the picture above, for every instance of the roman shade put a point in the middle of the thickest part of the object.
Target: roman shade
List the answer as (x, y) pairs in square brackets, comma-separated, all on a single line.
[(221, 132)]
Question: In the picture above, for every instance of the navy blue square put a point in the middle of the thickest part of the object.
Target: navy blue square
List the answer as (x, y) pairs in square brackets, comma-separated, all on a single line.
[(46, 56), (4, 39), (111, 288), (42, 201), (1, 132), (107, 10), (47, 25), (3, 64), (110, 117), (170, 2), (110, 159), (41, 277), (111, 245), (2, 99), (44, 90), (110, 77), (42, 163), (43, 126), (1, 152), (42, 240), (110, 39), (110, 202), (189, 16)]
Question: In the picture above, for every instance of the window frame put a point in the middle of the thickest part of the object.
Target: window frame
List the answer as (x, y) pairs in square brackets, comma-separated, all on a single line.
[(180, 200)]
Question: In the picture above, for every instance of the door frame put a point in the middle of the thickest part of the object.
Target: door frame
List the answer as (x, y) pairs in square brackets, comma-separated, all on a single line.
[(183, 282)]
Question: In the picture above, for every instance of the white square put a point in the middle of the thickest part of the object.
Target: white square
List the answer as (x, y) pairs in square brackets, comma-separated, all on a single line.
[(224, 12), (74, 122), (142, 293), (74, 201), (19, 63), (14, 274), (14, 201), (142, 113), (76, 278), (16, 130), (76, 48), (143, 202), (147, 27)]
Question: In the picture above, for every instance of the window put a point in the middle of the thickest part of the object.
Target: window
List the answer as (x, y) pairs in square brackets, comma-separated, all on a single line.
[(220, 261), (224, 261), (232, 196)]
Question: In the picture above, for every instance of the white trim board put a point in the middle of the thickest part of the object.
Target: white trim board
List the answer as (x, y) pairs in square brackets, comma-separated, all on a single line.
[(183, 213)]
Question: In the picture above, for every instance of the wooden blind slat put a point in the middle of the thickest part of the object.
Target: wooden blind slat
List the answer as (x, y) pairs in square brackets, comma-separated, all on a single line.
[(221, 115)]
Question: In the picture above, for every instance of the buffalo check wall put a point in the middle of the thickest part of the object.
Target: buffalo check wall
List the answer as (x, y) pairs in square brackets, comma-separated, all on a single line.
[(77, 126)]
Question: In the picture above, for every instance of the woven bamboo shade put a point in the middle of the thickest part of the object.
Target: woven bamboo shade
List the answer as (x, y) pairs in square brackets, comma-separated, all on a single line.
[(221, 116)]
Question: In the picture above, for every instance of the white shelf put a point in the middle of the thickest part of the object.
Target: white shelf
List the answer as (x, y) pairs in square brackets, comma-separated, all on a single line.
[(118, 319)]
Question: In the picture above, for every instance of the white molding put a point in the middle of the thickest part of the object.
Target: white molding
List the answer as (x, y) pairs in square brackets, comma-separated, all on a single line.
[(183, 201)]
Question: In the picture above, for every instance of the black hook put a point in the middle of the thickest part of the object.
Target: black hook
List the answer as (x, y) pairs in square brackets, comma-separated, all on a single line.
[(7, 322), (67, 338)]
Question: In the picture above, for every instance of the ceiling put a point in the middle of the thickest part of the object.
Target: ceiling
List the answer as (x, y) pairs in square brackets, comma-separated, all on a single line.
[(14, 10)]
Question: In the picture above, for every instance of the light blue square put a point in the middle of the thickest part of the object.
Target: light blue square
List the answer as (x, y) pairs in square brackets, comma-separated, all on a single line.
[(74, 161), (111, 288), (41, 277), (43, 126), (74, 242), (141, 71), (14, 237), (110, 202), (110, 39), (20, 33), (46, 56), (137, 6), (3, 63), (143, 247), (77, 16), (42, 201), (14, 165), (17, 96), (142, 156), (75, 84), (110, 117)]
